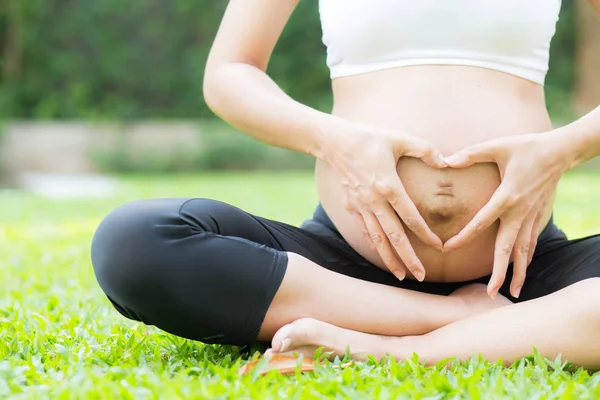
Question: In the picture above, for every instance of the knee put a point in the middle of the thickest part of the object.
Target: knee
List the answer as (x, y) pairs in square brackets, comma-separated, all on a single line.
[(124, 244), (586, 297), (589, 289), (134, 244)]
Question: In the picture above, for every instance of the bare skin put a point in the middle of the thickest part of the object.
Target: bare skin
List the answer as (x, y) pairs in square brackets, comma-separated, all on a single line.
[(435, 103), (422, 112), (508, 333), (309, 290)]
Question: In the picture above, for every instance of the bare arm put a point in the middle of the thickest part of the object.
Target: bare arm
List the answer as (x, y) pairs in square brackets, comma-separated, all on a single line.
[(237, 88), (529, 180), (582, 138)]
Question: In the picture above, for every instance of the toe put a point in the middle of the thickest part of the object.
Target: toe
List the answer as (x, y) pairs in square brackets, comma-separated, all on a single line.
[(299, 333), (270, 352), (282, 339)]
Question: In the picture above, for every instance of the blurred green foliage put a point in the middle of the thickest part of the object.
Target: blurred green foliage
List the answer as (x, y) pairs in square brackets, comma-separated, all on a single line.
[(560, 78), (139, 59)]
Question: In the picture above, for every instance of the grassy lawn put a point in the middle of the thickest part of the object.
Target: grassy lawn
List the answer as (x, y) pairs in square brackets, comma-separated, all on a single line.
[(60, 338)]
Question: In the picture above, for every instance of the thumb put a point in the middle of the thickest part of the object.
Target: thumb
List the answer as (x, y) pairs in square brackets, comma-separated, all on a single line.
[(479, 153), (425, 151), (434, 158)]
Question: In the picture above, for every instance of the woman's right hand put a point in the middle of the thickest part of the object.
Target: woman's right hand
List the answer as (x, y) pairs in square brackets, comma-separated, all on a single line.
[(365, 160)]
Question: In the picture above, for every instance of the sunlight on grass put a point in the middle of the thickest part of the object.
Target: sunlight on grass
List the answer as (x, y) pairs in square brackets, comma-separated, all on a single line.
[(60, 337)]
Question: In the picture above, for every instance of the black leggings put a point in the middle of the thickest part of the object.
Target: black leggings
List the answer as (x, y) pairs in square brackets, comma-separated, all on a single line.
[(208, 271)]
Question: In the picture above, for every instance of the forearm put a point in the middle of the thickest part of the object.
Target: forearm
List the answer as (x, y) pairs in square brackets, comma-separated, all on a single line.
[(246, 98), (582, 138)]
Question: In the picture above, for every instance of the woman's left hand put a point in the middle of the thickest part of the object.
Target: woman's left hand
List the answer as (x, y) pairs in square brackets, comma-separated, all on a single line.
[(530, 167)]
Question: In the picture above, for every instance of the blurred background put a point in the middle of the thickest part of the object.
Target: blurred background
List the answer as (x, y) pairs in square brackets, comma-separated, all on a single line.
[(101, 104), (115, 86)]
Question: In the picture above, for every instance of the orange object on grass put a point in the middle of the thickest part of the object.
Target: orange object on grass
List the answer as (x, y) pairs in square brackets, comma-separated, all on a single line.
[(281, 363)]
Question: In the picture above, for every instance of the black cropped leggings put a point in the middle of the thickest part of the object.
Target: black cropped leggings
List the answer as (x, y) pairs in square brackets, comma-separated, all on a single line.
[(208, 271)]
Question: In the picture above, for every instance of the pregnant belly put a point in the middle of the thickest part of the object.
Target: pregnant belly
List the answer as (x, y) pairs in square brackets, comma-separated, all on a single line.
[(452, 107), (447, 200)]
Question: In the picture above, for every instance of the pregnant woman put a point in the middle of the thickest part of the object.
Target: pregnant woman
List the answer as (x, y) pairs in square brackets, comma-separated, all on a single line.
[(436, 174)]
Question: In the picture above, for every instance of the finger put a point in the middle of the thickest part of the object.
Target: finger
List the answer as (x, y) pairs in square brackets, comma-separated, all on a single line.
[(397, 238), (384, 249), (521, 255), (535, 232), (350, 207), (364, 230), (479, 153), (434, 158), (424, 150), (507, 235), (403, 205), (488, 214)]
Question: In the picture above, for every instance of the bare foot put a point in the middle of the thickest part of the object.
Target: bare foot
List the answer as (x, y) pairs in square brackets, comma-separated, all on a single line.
[(306, 335), (477, 300)]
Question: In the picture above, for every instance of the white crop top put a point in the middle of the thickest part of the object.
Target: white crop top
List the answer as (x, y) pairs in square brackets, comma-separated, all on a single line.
[(511, 36)]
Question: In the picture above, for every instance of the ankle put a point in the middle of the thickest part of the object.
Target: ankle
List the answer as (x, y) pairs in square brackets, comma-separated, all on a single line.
[(460, 307)]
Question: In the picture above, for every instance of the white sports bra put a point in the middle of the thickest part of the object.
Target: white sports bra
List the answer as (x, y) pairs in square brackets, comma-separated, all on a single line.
[(511, 36)]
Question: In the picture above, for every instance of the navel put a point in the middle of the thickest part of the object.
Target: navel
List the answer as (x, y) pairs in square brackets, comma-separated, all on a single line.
[(445, 185)]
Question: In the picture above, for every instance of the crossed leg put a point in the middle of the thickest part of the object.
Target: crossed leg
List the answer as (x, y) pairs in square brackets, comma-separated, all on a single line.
[(566, 322), (309, 290), (207, 271)]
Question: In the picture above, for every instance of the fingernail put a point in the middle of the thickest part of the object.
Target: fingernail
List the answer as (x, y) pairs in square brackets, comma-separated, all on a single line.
[(285, 344), (420, 276), (453, 159), (442, 160), (517, 292)]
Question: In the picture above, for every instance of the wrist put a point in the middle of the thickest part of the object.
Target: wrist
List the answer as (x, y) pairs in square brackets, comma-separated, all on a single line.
[(575, 145), (581, 139), (560, 149), (335, 137)]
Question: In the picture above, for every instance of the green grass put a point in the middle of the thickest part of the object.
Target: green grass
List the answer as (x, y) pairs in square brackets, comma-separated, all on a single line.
[(60, 338)]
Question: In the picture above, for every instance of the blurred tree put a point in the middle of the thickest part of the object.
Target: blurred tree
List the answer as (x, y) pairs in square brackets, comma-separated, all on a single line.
[(139, 59), (13, 46), (587, 65), (11, 35), (560, 79)]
